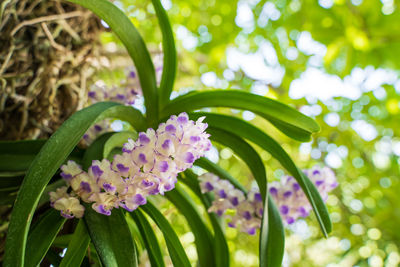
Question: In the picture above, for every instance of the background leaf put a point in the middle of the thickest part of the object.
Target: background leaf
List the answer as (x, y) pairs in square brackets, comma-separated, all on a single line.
[(176, 251), (169, 53), (77, 246), (203, 237), (149, 238), (42, 235), (290, 121)]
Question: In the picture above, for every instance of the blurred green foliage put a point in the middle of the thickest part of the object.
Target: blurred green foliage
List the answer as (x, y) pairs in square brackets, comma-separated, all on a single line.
[(352, 46)]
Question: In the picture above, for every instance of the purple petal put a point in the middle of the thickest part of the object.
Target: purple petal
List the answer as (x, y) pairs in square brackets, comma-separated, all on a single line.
[(166, 144), (189, 158), (235, 201), (109, 187), (139, 199), (132, 74), (209, 186), (122, 168), (96, 171), (287, 194), (86, 187), (182, 119), (319, 182), (142, 158), (170, 128), (231, 224), (273, 191), (195, 138), (247, 215), (290, 220), (154, 191), (66, 215), (251, 231), (303, 212), (222, 193), (147, 183), (164, 166), (102, 210), (316, 172), (98, 128), (143, 138), (257, 197), (220, 212), (120, 96), (92, 94), (168, 187), (284, 209), (296, 187), (66, 176)]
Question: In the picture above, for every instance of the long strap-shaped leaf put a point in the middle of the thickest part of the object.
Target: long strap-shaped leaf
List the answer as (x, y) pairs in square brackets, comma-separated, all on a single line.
[(272, 237), (255, 135), (245, 152), (176, 251), (291, 122), (16, 156), (77, 247), (130, 37), (169, 52), (203, 237), (111, 237), (41, 237), (220, 244), (46, 163), (271, 250), (149, 238)]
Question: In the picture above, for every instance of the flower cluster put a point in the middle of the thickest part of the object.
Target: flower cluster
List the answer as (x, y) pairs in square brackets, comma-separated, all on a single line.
[(291, 200), (126, 93), (248, 210), (147, 166), (287, 194)]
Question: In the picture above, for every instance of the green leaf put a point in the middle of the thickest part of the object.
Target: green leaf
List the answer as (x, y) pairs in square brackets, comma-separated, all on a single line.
[(290, 121), (116, 141), (111, 237), (77, 247), (149, 239), (45, 164), (169, 52), (95, 150), (17, 156), (133, 42), (255, 135), (244, 151), (203, 237), (176, 251), (10, 183), (272, 237), (129, 114), (220, 245), (42, 235)]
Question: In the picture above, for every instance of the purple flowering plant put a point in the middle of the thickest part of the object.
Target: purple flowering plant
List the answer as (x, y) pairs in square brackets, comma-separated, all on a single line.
[(111, 183)]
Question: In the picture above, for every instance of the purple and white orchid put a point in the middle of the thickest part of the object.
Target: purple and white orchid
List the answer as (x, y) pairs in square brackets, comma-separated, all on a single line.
[(147, 166)]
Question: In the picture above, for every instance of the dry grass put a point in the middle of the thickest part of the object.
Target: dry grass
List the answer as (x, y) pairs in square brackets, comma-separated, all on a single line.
[(47, 48)]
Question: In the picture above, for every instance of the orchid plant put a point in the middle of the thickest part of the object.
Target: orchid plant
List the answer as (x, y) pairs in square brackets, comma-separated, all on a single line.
[(116, 177)]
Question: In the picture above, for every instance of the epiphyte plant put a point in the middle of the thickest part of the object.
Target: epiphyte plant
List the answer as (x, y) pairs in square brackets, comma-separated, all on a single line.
[(110, 234)]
